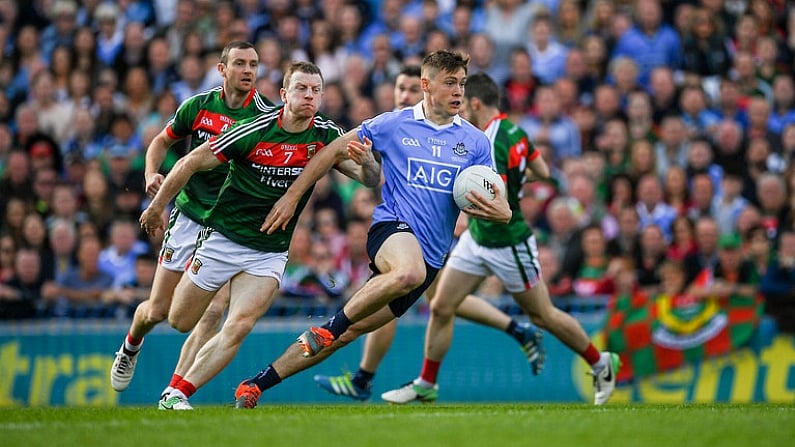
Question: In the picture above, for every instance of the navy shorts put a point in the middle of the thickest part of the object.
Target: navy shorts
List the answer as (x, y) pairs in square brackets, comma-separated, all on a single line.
[(375, 239)]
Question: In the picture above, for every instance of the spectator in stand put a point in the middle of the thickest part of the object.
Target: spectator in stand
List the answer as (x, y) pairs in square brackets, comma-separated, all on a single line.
[(133, 50), (27, 292), (613, 143), (44, 181), (319, 283), (8, 251), (548, 55), (569, 24), (96, 200), (607, 104), (481, 52), (683, 241), (651, 207), (783, 111), (81, 289), (704, 49), (520, 86), (649, 258), (123, 299), (699, 161), (729, 103), (750, 84), (577, 71), (563, 238), (118, 258), (706, 254), (702, 192), (672, 147), (60, 32), (664, 94), (650, 42), (354, 262), (771, 192), (623, 75), (727, 205), (745, 36), (778, 284), (551, 125), (731, 274), (759, 114), (676, 191), (642, 159), (507, 22), (759, 248), (729, 146), (15, 211), (595, 53), (16, 180), (619, 193), (62, 237), (697, 117), (588, 275), (640, 116)]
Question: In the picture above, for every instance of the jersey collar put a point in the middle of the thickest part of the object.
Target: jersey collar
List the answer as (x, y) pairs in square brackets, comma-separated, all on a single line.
[(281, 113), (501, 116), (248, 98), (419, 115)]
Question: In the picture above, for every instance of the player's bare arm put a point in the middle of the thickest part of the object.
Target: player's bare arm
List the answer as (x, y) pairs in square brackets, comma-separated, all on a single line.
[(537, 169), (199, 159), (362, 164), (155, 154), (284, 208), (496, 209)]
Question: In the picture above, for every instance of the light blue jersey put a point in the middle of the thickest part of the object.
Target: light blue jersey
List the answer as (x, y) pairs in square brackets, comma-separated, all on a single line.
[(420, 161)]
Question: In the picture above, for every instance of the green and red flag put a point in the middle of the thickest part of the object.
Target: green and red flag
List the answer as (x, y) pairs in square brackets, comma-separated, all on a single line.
[(653, 334)]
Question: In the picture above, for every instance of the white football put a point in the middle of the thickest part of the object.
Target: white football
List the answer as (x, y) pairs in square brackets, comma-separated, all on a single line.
[(478, 178)]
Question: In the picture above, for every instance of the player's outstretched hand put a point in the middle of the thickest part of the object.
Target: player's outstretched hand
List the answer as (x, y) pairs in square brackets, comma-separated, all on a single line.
[(152, 220), (495, 209), (153, 184), (361, 151), (281, 213)]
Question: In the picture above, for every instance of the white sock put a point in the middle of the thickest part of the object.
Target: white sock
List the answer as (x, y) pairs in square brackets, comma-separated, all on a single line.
[(601, 364), (423, 383), (132, 348), (167, 391)]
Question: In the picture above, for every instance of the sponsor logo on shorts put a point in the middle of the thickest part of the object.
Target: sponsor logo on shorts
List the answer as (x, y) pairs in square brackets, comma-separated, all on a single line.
[(195, 266), (428, 174), (402, 226), (168, 254)]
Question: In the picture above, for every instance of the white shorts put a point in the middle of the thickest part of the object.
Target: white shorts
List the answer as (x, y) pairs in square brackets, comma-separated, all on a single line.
[(217, 259), (516, 266), (179, 241)]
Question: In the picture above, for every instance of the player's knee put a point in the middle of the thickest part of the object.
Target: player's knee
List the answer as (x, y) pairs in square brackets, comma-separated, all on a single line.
[(180, 324), (442, 310), (409, 279), (213, 314)]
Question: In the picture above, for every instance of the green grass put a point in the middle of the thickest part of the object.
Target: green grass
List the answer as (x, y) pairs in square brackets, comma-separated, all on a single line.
[(455, 425)]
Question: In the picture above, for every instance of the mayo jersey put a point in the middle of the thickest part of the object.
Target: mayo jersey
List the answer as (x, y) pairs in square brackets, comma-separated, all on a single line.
[(512, 150), (264, 160), (420, 161), (201, 117)]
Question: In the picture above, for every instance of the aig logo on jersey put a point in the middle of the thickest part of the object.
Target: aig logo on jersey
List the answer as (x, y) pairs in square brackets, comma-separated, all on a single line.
[(427, 174)]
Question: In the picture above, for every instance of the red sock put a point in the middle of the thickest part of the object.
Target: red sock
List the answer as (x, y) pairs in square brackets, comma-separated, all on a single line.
[(591, 354), (186, 387), (175, 379), (134, 341), (430, 369)]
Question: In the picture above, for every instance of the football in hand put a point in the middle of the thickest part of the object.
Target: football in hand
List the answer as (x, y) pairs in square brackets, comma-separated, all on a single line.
[(478, 178)]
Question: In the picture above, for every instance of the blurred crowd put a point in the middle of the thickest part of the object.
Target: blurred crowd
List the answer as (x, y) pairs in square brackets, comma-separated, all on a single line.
[(669, 126)]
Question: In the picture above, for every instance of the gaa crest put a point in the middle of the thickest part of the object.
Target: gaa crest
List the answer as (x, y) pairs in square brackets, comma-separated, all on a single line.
[(460, 149), (310, 150)]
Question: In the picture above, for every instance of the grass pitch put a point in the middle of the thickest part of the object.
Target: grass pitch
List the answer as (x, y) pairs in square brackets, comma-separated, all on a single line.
[(455, 425)]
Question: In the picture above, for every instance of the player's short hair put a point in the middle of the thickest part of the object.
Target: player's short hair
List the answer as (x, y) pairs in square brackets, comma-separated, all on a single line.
[(301, 67), (482, 87), (444, 60), (236, 44), (411, 70)]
